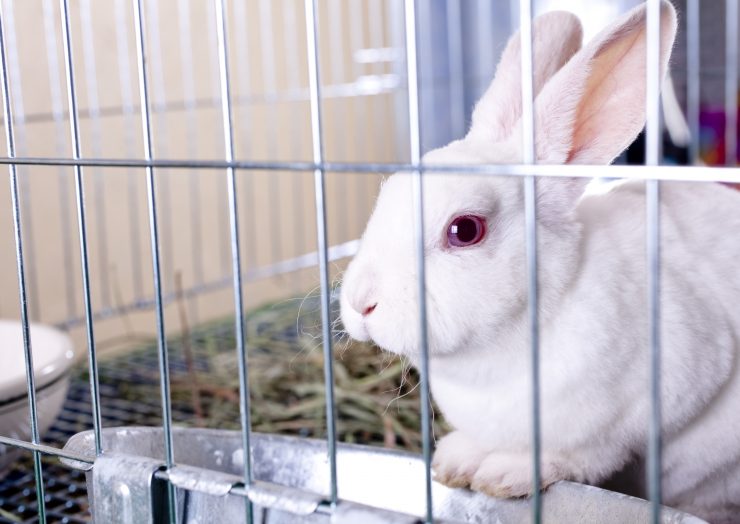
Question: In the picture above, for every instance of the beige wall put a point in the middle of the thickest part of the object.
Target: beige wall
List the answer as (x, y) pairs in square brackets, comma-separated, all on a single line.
[(267, 127)]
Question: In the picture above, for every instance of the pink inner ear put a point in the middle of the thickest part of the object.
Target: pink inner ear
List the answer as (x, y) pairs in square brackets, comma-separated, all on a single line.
[(594, 107), (609, 108)]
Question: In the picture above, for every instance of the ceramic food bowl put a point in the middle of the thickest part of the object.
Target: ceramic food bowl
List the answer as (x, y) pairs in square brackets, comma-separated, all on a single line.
[(53, 357)]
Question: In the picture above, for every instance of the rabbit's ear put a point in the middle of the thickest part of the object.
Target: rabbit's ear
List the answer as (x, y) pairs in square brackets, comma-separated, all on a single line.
[(594, 107), (557, 36)]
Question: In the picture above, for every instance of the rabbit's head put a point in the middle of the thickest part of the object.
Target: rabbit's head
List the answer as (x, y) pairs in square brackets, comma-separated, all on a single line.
[(589, 106)]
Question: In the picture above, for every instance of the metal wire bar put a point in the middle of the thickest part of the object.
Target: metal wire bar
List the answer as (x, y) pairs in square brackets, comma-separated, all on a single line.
[(93, 111), (693, 78), (530, 219), (418, 195), (241, 349), (14, 77), (55, 87), (314, 81), (731, 81), (15, 202), (652, 195), (164, 373), (81, 224), (124, 74), (221, 189), (46, 450), (628, 172)]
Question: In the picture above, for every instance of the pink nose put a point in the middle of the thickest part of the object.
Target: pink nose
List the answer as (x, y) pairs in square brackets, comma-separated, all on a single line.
[(369, 309)]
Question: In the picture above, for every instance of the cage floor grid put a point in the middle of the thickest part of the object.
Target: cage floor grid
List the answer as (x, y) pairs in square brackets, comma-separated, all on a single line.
[(120, 381), (126, 386), (377, 400)]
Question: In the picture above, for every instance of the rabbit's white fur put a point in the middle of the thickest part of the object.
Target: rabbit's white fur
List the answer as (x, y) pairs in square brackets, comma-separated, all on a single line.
[(593, 299)]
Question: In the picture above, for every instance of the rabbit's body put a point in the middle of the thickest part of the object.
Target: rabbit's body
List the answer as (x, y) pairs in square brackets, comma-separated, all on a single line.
[(595, 376), (593, 295)]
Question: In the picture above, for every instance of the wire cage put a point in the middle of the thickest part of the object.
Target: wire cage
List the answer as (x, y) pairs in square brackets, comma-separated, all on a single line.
[(178, 162)]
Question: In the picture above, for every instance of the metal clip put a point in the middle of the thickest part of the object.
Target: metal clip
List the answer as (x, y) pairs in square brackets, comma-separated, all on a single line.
[(123, 489)]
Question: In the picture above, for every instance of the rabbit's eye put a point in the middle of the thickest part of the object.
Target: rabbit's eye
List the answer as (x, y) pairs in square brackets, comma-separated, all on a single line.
[(466, 230)]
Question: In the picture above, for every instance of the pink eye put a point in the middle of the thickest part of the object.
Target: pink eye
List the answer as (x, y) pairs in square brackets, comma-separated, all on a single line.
[(466, 230)]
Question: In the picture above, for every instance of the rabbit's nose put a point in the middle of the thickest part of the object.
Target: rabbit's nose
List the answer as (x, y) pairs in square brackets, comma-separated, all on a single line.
[(369, 309), (363, 301)]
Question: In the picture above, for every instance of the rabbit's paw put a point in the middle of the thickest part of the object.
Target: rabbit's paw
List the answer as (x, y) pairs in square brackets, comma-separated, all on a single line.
[(456, 459), (510, 474)]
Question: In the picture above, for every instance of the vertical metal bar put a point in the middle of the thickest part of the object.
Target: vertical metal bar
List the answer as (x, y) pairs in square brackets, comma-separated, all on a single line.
[(314, 84), (27, 351), (530, 218), (652, 194), (418, 193), (731, 82), (81, 224), (455, 60), (222, 191), (65, 226), (693, 78), (20, 145), (241, 349), (93, 113), (164, 372), (124, 73)]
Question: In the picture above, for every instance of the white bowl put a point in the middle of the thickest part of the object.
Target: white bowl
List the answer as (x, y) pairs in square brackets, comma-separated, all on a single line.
[(53, 358)]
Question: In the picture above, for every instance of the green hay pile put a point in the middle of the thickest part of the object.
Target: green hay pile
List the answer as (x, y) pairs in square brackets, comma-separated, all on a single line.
[(377, 394)]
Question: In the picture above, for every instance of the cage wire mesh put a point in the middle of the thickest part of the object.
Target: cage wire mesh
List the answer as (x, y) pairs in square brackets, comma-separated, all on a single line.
[(302, 107)]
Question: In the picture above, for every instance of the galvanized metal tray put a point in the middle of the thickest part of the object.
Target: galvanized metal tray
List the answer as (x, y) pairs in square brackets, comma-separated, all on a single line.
[(378, 485)]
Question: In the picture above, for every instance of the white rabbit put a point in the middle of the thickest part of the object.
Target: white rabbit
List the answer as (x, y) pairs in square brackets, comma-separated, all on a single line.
[(590, 104)]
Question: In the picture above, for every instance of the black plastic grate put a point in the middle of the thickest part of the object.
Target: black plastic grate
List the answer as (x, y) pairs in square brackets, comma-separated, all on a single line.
[(286, 376), (126, 383)]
